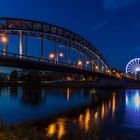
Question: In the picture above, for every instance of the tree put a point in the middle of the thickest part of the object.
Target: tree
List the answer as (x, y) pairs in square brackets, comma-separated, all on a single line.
[(14, 75)]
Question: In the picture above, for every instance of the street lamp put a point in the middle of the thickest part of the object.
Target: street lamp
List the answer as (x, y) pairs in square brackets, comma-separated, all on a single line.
[(87, 62), (51, 56), (61, 55), (4, 40), (97, 68), (79, 63)]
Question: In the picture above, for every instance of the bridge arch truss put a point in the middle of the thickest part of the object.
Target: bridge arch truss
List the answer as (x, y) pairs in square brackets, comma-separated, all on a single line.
[(59, 35)]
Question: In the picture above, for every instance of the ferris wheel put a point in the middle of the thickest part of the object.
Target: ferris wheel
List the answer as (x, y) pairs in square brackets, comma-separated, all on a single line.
[(133, 66)]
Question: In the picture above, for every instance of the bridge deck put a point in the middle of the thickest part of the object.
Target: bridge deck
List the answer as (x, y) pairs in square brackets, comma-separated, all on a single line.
[(29, 62)]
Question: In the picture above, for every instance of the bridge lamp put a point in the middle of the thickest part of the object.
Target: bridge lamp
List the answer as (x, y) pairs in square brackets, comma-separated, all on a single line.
[(108, 71), (4, 39), (79, 63), (61, 55), (87, 62), (51, 56), (97, 68)]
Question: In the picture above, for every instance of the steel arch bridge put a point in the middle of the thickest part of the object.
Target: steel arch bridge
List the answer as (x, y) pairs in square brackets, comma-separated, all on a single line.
[(82, 49)]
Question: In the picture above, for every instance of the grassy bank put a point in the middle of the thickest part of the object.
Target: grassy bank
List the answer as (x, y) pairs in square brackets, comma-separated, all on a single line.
[(28, 131)]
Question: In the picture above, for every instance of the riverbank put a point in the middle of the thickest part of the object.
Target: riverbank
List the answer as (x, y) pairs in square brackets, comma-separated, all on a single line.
[(100, 84)]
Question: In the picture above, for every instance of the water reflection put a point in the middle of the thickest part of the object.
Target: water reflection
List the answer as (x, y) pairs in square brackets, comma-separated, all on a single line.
[(132, 100), (132, 109), (72, 109), (68, 94), (103, 111), (57, 128), (113, 104), (31, 103), (96, 114)]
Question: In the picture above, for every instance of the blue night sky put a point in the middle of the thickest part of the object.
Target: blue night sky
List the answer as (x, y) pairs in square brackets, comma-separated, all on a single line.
[(113, 26)]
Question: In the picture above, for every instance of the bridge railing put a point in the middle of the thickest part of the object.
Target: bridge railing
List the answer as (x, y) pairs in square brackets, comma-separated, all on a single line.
[(41, 60)]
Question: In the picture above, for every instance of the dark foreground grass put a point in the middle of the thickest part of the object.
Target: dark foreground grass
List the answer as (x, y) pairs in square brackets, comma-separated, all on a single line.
[(28, 131)]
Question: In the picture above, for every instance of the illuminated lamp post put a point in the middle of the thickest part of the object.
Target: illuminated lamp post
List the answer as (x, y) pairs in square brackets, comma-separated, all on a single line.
[(4, 41), (79, 63), (97, 68), (87, 62), (61, 55), (51, 56)]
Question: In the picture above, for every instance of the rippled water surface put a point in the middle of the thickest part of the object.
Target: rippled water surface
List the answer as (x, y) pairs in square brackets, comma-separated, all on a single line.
[(108, 113)]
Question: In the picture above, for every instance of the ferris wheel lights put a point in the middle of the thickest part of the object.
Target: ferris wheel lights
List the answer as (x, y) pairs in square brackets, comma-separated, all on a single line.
[(133, 66), (137, 69)]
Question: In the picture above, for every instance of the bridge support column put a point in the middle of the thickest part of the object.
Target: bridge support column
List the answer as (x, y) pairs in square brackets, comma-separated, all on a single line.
[(42, 48), (26, 45), (20, 44), (97, 65), (86, 62), (68, 54), (74, 57), (102, 68), (93, 64), (56, 52)]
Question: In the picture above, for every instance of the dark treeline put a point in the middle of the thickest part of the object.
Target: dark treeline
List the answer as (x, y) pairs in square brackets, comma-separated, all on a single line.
[(35, 76)]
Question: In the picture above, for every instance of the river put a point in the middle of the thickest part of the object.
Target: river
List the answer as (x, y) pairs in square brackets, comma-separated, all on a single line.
[(108, 113)]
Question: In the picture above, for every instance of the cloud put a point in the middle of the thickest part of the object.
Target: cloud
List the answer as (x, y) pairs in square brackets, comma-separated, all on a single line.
[(116, 4), (100, 25)]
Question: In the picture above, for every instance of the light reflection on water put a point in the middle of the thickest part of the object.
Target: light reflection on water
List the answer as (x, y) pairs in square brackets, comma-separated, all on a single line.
[(95, 115), (33, 103), (132, 109), (112, 116), (71, 109), (57, 128), (132, 100)]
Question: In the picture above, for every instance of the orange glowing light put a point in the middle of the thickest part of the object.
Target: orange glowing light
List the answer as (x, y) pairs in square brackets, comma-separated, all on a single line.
[(51, 56), (96, 115), (87, 119), (4, 39), (103, 111), (79, 63), (51, 130), (61, 128), (87, 62), (96, 68), (113, 104), (61, 55)]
